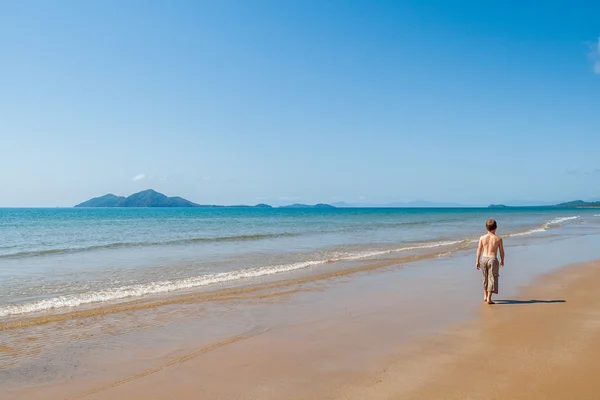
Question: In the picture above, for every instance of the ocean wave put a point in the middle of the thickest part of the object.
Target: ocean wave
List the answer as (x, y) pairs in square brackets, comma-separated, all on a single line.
[(116, 245), (525, 233), (119, 293), (545, 226), (561, 219)]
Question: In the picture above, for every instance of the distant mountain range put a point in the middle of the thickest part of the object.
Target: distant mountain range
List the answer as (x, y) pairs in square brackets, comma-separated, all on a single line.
[(580, 204), (569, 204), (152, 198), (410, 204), (297, 205)]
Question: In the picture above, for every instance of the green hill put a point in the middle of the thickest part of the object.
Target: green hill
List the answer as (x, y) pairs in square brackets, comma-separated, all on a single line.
[(580, 204), (108, 200), (146, 198)]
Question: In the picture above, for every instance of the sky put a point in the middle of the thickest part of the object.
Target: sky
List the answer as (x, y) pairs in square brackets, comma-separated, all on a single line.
[(229, 102)]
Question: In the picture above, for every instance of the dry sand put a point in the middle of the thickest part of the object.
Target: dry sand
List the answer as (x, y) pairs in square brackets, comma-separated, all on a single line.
[(544, 344)]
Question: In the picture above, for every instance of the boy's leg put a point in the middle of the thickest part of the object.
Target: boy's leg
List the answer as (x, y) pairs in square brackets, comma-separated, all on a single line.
[(493, 280), (486, 280)]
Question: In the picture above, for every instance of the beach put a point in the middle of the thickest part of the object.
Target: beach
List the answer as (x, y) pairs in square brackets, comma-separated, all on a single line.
[(397, 325), (285, 200)]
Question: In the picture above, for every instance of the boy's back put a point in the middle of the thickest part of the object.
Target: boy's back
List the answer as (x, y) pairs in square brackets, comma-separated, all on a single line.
[(490, 244)]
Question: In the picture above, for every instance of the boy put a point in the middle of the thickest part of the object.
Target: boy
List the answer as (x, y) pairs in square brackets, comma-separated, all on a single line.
[(490, 244)]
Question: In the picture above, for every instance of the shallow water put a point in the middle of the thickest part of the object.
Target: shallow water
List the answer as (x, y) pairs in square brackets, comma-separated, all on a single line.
[(66, 258)]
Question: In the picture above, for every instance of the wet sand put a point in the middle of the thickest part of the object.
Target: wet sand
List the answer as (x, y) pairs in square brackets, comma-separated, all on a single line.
[(420, 331)]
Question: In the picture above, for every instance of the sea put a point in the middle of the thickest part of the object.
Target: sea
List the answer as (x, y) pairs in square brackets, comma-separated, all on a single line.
[(54, 260)]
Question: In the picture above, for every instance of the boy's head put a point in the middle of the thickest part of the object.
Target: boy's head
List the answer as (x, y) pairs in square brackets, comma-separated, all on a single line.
[(491, 225)]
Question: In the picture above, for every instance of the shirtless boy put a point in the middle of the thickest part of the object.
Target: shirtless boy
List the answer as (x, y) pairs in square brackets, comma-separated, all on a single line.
[(489, 244)]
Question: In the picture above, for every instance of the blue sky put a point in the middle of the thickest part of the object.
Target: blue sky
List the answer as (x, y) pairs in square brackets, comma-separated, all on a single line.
[(313, 101)]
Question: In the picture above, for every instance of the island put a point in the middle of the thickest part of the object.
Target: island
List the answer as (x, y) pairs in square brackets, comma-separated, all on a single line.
[(319, 205), (569, 204), (152, 198), (580, 204), (146, 198)]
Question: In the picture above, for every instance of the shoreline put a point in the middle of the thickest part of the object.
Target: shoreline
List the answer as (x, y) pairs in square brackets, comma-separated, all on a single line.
[(327, 269), (318, 338)]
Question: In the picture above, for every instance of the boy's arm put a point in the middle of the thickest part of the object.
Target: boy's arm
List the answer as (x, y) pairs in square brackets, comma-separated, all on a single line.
[(501, 253), (479, 248)]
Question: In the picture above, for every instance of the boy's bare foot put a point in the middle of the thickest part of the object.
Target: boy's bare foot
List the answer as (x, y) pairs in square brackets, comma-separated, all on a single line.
[(490, 302)]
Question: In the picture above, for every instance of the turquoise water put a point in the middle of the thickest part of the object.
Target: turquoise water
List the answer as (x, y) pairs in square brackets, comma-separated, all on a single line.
[(63, 258)]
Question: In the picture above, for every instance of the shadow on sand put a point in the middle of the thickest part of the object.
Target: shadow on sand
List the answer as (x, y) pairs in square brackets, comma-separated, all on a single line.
[(528, 301)]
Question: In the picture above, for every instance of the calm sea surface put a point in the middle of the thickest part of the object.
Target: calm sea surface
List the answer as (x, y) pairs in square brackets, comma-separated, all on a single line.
[(63, 258)]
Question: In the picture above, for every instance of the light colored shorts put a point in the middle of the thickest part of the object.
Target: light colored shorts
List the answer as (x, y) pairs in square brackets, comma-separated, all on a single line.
[(491, 271)]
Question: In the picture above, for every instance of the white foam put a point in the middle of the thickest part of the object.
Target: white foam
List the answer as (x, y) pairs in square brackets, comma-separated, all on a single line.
[(561, 219), (545, 226), (529, 232), (74, 300)]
